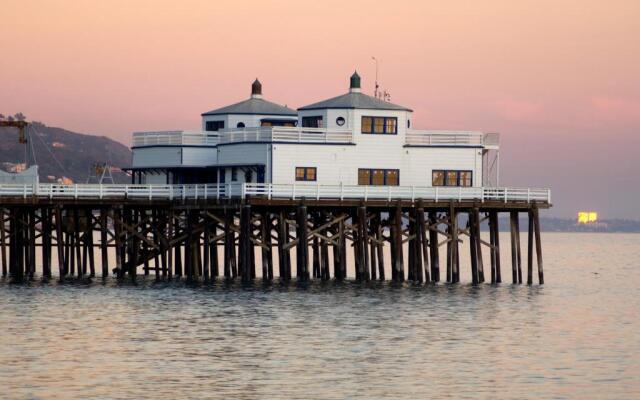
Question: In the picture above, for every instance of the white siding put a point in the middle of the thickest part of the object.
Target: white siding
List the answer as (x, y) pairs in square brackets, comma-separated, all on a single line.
[(199, 156), (245, 154), (157, 157)]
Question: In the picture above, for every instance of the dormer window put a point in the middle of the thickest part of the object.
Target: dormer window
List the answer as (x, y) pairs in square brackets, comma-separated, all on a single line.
[(380, 125)]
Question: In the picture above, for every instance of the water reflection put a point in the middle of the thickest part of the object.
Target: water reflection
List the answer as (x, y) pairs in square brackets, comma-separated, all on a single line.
[(576, 337)]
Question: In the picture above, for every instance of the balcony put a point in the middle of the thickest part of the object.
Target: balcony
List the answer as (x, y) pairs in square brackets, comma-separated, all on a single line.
[(243, 135), (287, 135), (452, 138), (174, 138)]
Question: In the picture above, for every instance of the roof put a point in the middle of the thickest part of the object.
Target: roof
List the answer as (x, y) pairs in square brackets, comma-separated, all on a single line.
[(254, 106), (355, 100)]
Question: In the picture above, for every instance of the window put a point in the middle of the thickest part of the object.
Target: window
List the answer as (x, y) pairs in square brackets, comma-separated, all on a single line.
[(214, 125), (240, 125), (305, 173), (378, 177), (234, 174), (380, 125), (451, 178), (312, 122), (408, 124), (340, 121)]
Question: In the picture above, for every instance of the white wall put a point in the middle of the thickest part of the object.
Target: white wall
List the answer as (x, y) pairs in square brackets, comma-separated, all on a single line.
[(157, 156), (162, 156), (245, 154)]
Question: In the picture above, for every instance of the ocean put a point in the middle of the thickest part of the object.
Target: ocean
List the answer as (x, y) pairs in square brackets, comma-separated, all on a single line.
[(576, 337)]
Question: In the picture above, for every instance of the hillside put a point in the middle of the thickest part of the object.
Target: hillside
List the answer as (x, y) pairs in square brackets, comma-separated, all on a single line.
[(61, 153)]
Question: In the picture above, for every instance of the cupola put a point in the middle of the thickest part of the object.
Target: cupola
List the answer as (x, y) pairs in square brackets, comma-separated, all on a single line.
[(354, 84), (256, 89)]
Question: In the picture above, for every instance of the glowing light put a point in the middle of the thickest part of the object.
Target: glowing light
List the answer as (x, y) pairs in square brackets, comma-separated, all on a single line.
[(587, 217)]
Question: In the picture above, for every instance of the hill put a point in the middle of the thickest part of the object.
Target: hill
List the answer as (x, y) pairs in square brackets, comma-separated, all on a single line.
[(63, 154)]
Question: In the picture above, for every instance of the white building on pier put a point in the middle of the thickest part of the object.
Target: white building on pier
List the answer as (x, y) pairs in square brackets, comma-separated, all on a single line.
[(351, 139)]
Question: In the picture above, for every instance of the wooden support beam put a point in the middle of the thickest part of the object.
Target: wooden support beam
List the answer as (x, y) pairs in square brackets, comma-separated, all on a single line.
[(206, 253), (478, 235), (399, 251), (530, 249), (302, 249), (433, 246), (515, 248), (455, 262), (3, 242), (536, 219), (46, 226), (325, 274), (104, 230), (244, 245), (267, 254)]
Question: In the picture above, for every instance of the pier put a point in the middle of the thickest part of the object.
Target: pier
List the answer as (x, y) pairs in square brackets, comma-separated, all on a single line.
[(210, 231)]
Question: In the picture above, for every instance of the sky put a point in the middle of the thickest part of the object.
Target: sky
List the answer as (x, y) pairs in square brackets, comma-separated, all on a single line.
[(559, 80)]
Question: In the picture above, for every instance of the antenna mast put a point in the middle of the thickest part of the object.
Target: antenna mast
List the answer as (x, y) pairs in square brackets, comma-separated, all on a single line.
[(375, 92)]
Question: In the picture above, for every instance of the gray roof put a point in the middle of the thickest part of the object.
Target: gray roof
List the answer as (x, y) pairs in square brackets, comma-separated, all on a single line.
[(355, 100), (254, 106)]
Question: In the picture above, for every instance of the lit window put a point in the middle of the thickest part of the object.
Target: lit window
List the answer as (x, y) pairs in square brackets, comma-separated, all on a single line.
[(364, 177), (305, 173), (451, 178), (390, 126), (378, 177), (392, 177), (367, 123), (437, 178), (380, 125), (465, 178)]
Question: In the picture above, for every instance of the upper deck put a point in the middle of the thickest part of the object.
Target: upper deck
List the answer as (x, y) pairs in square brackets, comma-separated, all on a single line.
[(427, 138)]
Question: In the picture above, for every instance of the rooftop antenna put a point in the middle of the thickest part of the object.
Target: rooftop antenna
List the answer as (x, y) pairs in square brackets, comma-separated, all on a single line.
[(375, 92)]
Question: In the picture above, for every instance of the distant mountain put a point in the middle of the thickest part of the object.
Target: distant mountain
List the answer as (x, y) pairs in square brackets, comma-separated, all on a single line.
[(63, 154)]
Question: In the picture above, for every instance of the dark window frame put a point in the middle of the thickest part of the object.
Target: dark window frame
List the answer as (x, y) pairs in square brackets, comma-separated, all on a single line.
[(317, 118), (445, 181), (386, 172), (213, 126), (305, 177), (384, 125)]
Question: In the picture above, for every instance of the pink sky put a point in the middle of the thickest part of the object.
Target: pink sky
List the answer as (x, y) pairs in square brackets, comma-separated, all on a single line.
[(558, 79)]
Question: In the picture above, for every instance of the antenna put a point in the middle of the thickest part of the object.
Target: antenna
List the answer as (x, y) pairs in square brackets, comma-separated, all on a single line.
[(375, 92)]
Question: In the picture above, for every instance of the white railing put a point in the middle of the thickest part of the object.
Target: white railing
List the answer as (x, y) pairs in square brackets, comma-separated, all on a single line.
[(452, 138), (286, 134), (272, 191), (179, 138), (239, 135)]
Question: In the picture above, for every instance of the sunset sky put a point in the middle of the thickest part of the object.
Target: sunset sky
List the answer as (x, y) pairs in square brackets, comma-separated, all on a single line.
[(560, 80)]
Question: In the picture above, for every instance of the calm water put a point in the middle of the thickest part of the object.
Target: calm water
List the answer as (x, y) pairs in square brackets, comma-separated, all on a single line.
[(578, 336)]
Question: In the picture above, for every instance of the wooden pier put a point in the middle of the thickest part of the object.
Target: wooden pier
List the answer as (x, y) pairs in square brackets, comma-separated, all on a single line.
[(217, 234)]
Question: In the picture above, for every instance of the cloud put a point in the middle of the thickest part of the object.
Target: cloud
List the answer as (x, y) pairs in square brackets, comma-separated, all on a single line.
[(616, 108), (518, 110)]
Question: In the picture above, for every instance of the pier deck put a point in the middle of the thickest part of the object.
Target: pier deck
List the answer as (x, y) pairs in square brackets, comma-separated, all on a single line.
[(179, 230)]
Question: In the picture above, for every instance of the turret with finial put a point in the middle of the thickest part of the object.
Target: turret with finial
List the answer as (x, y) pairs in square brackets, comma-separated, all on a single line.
[(256, 89)]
